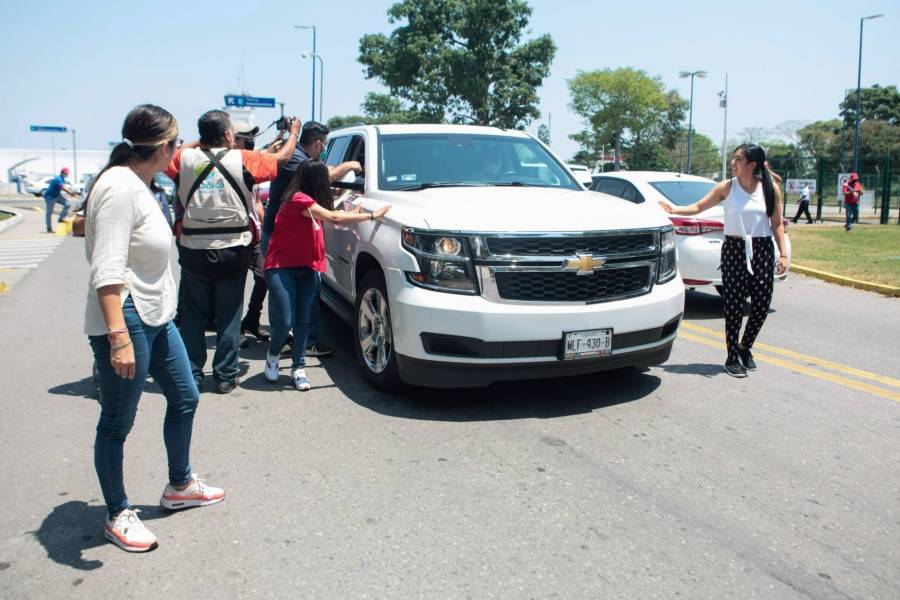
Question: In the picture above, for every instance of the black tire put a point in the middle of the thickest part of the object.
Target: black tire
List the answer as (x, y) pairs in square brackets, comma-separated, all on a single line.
[(377, 361)]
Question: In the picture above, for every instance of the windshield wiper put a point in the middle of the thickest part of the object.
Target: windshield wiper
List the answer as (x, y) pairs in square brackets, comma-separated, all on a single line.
[(514, 184), (433, 184)]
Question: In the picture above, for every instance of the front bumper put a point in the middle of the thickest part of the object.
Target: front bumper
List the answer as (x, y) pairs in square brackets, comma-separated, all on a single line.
[(537, 326)]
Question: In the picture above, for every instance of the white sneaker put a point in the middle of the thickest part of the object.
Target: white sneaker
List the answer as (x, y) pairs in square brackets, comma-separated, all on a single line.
[(271, 372), (300, 380), (196, 494), (128, 532)]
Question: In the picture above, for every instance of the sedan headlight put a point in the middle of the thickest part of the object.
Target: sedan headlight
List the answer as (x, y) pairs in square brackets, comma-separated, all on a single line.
[(445, 263), (666, 270)]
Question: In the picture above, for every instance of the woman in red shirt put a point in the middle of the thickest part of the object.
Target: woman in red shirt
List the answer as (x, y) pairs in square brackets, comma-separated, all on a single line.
[(295, 260)]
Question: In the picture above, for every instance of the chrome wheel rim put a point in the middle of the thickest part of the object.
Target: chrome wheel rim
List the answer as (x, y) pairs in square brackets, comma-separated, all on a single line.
[(373, 325)]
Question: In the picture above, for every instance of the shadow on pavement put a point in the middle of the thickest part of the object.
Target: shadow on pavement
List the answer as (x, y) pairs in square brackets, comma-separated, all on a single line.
[(83, 388), (704, 369), (76, 526), (708, 306), (538, 398)]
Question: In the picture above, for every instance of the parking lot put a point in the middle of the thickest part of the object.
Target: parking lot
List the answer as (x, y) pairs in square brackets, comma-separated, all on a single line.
[(674, 481)]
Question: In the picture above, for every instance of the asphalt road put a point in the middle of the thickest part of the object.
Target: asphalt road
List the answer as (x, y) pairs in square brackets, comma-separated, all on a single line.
[(674, 482)]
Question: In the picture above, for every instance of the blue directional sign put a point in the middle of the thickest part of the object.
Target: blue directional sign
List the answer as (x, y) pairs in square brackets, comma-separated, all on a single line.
[(241, 101), (53, 128)]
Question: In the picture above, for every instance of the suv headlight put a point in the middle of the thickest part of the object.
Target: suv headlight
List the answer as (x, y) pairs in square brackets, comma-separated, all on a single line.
[(445, 263), (666, 270)]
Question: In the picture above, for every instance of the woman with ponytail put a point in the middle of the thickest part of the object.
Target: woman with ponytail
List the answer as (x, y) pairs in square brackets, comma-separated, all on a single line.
[(752, 219), (128, 318)]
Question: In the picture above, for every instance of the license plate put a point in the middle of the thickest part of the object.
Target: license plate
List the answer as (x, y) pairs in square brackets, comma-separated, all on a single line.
[(587, 344)]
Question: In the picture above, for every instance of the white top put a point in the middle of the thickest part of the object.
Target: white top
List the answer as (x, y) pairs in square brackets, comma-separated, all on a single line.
[(745, 214), (128, 242)]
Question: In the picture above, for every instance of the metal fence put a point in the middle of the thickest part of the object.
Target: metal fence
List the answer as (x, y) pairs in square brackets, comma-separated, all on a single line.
[(877, 175)]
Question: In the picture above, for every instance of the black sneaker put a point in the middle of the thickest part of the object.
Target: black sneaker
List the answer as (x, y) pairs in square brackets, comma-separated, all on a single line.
[(319, 350), (226, 387), (735, 369), (255, 331), (747, 360)]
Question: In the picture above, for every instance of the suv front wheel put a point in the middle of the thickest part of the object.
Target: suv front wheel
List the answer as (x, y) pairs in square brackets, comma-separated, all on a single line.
[(374, 337)]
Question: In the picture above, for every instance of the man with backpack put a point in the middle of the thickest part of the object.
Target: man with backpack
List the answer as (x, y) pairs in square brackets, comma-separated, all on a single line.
[(215, 225)]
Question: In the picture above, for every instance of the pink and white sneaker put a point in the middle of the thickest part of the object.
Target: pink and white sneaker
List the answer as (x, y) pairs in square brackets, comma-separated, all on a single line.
[(196, 494), (128, 532)]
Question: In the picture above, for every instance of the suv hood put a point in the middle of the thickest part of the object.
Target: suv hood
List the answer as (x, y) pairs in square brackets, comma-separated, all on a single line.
[(524, 209)]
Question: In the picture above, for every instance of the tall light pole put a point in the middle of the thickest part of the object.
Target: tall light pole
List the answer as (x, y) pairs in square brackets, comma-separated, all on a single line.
[(858, 81), (313, 27), (723, 103), (691, 74), (307, 54)]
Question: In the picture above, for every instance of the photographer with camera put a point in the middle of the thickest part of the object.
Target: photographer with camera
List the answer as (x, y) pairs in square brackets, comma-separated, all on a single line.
[(216, 224)]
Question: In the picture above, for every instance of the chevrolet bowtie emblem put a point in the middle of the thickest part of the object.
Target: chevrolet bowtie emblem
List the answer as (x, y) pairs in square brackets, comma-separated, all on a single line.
[(585, 264)]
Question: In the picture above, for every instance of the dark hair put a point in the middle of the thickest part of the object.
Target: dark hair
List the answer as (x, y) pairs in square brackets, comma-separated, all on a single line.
[(213, 125), (311, 178), (146, 128), (311, 132), (248, 141), (755, 154)]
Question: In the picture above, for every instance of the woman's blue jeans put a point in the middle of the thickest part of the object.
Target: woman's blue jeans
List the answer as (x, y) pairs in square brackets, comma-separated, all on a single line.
[(158, 351), (291, 296)]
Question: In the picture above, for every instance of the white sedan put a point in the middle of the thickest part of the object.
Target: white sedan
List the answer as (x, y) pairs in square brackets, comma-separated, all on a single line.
[(698, 239)]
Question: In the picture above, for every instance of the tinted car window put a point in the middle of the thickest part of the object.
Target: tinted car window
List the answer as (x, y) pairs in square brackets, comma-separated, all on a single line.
[(613, 187), (632, 194), (683, 193), (336, 150)]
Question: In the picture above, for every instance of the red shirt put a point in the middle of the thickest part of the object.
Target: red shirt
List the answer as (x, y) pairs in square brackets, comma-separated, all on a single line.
[(297, 240), (849, 196)]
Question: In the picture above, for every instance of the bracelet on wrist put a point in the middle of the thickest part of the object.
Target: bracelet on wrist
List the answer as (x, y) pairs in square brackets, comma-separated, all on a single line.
[(120, 346)]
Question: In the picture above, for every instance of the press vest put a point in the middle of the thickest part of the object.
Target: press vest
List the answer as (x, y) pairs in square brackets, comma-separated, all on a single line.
[(215, 216)]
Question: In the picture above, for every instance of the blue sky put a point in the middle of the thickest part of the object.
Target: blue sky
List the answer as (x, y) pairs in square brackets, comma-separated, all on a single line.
[(85, 64)]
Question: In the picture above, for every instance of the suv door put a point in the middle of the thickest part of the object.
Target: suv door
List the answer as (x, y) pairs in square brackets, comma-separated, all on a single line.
[(341, 241)]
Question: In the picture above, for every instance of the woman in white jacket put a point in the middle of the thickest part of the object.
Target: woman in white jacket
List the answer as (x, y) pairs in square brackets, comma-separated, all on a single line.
[(130, 304)]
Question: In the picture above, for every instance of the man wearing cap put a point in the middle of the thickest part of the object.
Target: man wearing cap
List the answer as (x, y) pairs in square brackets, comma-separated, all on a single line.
[(853, 189), (53, 195)]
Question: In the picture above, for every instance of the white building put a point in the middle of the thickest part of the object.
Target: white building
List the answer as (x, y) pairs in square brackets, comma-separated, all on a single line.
[(41, 163)]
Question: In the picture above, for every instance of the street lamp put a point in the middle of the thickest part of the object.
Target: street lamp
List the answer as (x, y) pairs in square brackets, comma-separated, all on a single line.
[(307, 54), (691, 74), (723, 103), (858, 81), (313, 27)]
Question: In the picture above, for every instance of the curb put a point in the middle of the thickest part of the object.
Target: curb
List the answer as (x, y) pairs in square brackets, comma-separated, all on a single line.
[(887, 290), (10, 223)]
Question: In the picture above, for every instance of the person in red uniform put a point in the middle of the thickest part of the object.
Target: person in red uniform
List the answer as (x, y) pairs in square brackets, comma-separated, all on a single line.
[(853, 189)]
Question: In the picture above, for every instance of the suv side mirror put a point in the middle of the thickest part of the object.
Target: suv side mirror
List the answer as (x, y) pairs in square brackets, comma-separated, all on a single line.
[(351, 181)]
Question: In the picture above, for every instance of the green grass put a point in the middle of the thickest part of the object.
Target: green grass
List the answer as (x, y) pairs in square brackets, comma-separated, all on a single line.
[(5, 215), (869, 252)]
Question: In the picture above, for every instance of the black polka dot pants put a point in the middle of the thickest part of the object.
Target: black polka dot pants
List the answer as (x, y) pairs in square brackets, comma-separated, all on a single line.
[(738, 283)]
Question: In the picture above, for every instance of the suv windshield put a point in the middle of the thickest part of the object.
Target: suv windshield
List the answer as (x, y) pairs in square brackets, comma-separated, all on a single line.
[(683, 193), (417, 161)]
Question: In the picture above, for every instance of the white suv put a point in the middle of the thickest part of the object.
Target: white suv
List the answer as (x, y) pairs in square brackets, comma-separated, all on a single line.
[(493, 264)]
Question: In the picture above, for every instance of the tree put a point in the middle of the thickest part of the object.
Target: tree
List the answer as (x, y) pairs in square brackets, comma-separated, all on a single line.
[(706, 159), (462, 57), (381, 108), (820, 138), (543, 134), (619, 105), (878, 103), (878, 139)]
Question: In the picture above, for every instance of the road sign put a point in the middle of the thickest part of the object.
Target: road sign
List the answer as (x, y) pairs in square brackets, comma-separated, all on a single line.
[(793, 186), (843, 178), (53, 128), (240, 101)]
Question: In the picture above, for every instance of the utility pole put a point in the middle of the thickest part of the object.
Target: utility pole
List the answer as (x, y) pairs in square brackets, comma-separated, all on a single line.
[(74, 158), (723, 103)]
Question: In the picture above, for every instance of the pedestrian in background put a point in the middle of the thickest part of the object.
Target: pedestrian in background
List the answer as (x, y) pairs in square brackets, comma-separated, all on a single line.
[(53, 195), (752, 218), (804, 205), (128, 318), (853, 189), (296, 259)]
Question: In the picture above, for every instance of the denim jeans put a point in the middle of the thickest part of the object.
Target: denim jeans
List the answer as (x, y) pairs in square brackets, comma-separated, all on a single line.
[(50, 203), (852, 214), (200, 296), (313, 334), (160, 352), (292, 293)]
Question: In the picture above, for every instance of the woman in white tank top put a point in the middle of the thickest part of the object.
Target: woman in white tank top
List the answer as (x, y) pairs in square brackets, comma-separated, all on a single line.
[(752, 205)]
